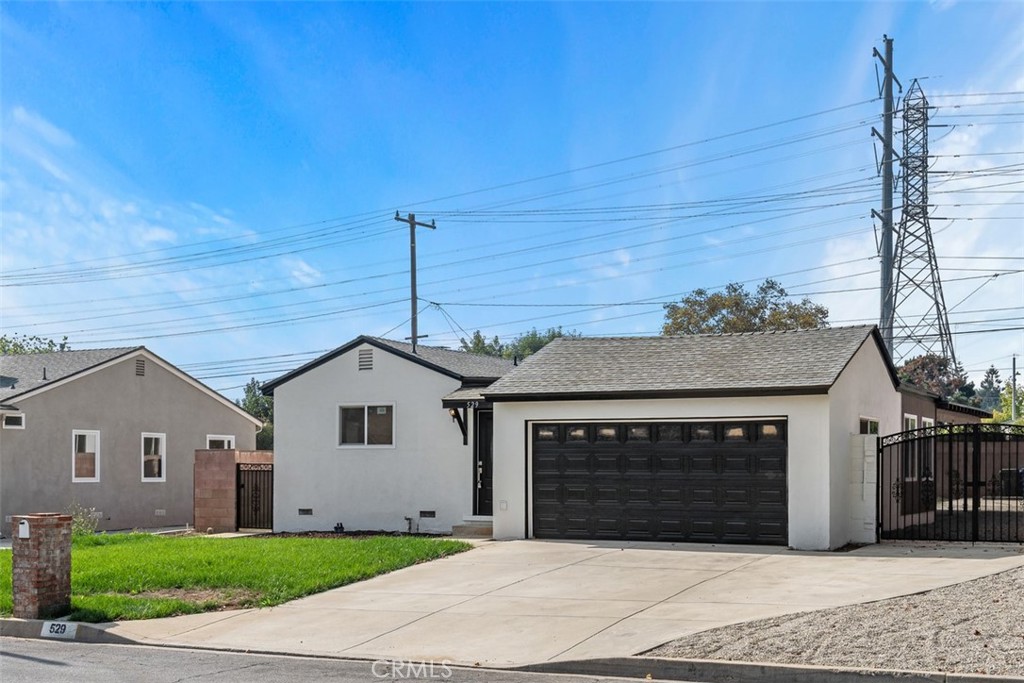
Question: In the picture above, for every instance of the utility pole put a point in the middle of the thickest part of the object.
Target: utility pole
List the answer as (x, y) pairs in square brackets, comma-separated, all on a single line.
[(413, 224), (887, 296)]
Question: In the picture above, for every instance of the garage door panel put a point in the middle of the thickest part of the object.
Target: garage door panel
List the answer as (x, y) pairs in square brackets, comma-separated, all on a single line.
[(638, 494), (737, 463), (546, 493), (771, 459), (709, 481), (576, 494), (702, 464), (702, 496), (575, 463), (545, 463), (606, 463), (639, 464), (665, 463)]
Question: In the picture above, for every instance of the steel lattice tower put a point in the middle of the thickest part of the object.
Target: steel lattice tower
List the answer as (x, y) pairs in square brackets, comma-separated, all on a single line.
[(921, 325)]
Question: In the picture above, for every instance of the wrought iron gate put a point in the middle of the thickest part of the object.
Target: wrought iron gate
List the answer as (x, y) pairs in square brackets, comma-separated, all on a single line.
[(255, 498), (952, 483)]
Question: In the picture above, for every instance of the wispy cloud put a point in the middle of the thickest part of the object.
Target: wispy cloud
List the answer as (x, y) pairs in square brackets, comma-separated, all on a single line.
[(302, 272), (46, 131)]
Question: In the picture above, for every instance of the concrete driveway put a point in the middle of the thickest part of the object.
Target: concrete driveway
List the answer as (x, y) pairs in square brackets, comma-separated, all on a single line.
[(523, 602)]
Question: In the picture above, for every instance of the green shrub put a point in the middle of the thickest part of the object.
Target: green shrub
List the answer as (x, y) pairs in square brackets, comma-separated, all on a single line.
[(83, 520)]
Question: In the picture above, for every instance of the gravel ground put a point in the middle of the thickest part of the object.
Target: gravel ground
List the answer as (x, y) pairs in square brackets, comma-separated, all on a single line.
[(972, 627)]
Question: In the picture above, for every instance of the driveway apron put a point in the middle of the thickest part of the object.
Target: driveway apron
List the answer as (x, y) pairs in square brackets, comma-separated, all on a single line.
[(524, 602)]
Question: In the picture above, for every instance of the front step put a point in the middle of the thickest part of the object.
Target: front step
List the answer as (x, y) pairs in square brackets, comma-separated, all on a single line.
[(473, 529)]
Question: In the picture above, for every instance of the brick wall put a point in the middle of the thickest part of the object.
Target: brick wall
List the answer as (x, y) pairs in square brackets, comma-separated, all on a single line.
[(41, 566), (215, 486)]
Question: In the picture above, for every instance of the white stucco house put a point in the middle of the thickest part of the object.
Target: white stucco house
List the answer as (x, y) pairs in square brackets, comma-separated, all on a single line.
[(742, 438), (372, 436)]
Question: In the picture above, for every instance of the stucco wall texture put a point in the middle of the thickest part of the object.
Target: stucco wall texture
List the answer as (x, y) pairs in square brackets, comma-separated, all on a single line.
[(36, 462)]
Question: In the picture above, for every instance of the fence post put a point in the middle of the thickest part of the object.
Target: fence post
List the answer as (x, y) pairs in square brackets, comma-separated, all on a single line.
[(976, 497)]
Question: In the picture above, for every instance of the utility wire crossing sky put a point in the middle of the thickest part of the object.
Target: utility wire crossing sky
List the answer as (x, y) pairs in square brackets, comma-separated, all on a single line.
[(219, 182)]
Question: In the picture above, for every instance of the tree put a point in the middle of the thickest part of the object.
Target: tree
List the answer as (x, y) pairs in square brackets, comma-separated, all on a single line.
[(262, 408), (15, 345), (936, 374), (524, 345), (533, 341), (737, 310), (990, 389), (479, 345), (1004, 412)]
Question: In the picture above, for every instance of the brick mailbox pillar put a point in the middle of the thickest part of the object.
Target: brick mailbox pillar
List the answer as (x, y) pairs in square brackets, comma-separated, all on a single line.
[(41, 564)]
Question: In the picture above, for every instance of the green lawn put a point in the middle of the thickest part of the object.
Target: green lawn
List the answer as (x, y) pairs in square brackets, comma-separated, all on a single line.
[(141, 576)]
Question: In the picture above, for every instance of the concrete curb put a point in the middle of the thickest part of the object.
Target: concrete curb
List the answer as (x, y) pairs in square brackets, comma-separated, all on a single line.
[(644, 668), (72, 631), (713, 671)]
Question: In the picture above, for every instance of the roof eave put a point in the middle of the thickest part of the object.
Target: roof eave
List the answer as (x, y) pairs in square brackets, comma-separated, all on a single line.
[(656, 394), (268, 387)]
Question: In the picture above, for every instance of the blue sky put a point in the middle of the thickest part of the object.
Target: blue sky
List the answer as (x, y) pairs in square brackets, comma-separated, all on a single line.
[(217, 181)]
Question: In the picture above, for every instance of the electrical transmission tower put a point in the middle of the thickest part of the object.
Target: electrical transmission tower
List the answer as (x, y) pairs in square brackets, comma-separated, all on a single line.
[(920, 324)]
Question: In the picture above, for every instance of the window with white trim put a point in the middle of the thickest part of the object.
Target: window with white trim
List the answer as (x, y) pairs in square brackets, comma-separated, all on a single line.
[(14, 420), (154, 456), (926, 453), (913, 464), (868, 425), (366, 425), (85, 455), (217, 442)]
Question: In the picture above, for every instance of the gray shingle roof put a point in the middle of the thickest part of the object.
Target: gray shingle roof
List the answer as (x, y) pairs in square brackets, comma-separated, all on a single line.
[(761, 362), (459, 364), (22, 373)]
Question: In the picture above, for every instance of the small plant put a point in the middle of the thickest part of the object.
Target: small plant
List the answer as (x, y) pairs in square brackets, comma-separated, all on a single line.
[(83, 520)]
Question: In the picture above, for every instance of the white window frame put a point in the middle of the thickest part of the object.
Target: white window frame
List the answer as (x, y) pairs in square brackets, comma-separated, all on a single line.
[(163, 457), (365, 405), (927, 457), (75, 433), (227, 438), (869, 420), (21, 415), (910, 458)]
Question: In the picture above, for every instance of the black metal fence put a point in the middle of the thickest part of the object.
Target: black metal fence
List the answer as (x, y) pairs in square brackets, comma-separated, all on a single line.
[(952, 483), (255, 500)]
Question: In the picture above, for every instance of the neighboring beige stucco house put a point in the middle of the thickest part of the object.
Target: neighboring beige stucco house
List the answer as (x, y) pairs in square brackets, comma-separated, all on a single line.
[(744, 438), (110, 429)]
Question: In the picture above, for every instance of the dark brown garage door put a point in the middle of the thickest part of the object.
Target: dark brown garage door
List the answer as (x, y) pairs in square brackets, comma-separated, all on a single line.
[(661, 481)]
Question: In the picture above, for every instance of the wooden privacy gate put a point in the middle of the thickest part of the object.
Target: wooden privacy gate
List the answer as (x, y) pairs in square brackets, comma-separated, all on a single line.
[(255, 499), (952, 483)]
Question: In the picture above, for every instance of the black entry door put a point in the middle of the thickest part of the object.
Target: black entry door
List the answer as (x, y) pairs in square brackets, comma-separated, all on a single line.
[(661, 481), (484, 498)]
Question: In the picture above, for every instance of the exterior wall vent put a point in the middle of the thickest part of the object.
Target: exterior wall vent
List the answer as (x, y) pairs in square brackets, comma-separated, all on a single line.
[(366, 359), (428, 514), (305, 511), (140, 367)]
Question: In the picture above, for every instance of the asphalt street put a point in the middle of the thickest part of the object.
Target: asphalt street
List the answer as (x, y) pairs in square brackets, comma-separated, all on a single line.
[(40, 661)]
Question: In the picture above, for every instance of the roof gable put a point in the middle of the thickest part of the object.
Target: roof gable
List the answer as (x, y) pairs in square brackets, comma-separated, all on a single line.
[(22, 373), (21, 376), (457, 364), (792, 362)]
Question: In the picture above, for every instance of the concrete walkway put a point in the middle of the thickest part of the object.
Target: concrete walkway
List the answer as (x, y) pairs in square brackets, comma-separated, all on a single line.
[(524, 602)]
